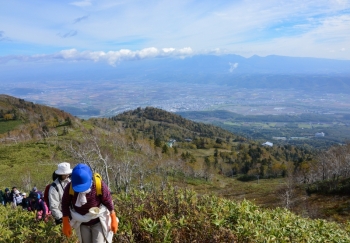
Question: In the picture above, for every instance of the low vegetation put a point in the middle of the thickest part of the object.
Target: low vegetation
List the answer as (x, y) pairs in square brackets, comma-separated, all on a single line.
[(179, 215)]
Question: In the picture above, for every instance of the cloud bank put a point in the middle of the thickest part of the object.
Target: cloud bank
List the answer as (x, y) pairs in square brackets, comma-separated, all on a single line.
[(111, 57)]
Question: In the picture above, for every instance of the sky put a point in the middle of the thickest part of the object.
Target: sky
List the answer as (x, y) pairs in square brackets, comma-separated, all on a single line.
[(112, 31)]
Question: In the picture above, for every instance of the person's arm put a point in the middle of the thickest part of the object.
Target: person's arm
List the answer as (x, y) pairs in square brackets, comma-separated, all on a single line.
[(54, 199), (106, 197), (42, 205), (66, 201)]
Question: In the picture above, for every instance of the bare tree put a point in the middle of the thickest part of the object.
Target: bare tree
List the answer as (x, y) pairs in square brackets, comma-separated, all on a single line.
[(27, 181), (287, 191), (123, 173), (89, 151)]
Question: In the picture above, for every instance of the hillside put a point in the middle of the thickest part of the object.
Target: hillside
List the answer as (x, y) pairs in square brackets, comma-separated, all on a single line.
[(165, 125), (138, 151), (21, 120)]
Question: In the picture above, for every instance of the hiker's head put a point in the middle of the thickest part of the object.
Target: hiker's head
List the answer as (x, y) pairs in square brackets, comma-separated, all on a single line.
[(24, 194), (81, 178), (35, 196), (34, 189), (63, 170)]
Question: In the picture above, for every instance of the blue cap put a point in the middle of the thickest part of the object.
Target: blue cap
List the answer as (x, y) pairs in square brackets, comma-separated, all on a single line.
[(81, 178)]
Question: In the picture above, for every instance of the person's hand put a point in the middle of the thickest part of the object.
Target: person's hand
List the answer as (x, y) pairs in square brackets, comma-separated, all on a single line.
[(66, 228), (114, 224)]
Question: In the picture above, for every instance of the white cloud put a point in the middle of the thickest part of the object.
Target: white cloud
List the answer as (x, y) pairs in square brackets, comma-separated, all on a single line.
[(168, 50), (111, 57)]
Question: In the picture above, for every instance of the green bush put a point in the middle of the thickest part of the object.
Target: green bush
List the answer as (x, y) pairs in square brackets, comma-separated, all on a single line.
[(17, 225), (247, 178), (174, 215)]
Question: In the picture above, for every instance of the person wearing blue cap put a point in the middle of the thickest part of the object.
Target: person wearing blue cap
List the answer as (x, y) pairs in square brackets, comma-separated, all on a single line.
[(91, 215)]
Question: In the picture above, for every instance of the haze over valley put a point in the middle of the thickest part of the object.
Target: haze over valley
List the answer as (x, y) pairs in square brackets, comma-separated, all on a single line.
[(254, 86)]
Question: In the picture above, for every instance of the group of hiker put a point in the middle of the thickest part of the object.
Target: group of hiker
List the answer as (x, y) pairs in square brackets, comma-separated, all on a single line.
[(14, 198), (77, 198)]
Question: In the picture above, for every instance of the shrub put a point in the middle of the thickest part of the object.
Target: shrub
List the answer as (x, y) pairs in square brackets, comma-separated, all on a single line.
[(17, 225), (173, 215)]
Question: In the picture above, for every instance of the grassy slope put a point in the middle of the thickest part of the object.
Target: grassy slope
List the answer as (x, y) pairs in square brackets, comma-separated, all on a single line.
[(6, 126)]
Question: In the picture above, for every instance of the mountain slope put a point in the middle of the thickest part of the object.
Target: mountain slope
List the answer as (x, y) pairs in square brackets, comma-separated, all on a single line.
[(150, 120)]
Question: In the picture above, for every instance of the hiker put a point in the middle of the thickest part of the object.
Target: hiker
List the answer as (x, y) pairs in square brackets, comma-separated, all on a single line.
[(7, 196), (17, 198), (35, 190), (12, 193), (13, 196), (56, 190), (92, 214), (39, 205), (25, 201)]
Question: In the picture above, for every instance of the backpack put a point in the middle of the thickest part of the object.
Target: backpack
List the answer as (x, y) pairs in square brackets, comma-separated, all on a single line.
[(98, 183)]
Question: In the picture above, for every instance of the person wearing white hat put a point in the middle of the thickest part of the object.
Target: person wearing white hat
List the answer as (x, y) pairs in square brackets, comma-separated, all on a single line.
[(25, 201), (57, 188)]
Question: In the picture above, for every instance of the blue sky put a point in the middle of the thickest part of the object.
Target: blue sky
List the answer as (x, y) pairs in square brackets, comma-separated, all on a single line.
[(112, 31)]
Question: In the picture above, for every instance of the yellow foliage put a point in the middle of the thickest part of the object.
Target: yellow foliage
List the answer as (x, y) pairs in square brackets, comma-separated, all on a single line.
[(8, 117)]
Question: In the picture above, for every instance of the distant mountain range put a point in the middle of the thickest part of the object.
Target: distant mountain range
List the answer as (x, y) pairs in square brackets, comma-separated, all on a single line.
[(233, 70)]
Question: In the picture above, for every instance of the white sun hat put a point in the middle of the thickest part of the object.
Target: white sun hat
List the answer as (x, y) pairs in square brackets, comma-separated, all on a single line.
[(63, 169)]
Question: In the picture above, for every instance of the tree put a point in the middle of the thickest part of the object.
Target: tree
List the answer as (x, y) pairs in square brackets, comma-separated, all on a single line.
[(157, 142), (165, 149)]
